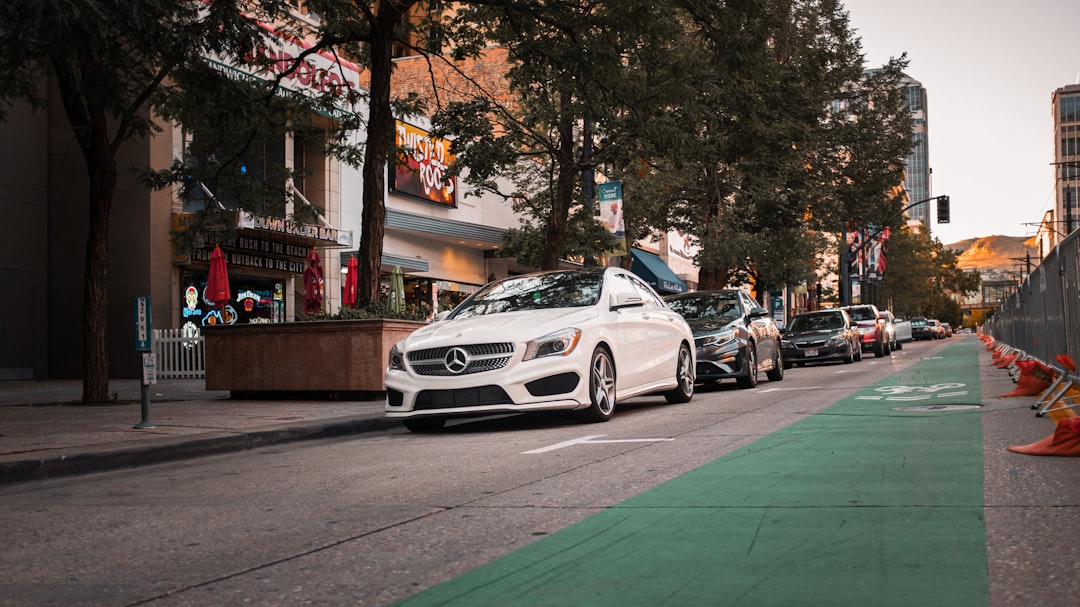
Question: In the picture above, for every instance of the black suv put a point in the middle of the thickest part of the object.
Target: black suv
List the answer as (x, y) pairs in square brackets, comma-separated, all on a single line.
[(920, 329)]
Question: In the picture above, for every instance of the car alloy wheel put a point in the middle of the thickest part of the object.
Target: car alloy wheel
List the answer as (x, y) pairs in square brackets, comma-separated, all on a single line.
[(684, 375), (750, 379), (601, 388), (777, 371)]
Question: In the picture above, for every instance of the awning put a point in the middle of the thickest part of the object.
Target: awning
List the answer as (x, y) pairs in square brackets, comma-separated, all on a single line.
[(389, 260), (656, 272)]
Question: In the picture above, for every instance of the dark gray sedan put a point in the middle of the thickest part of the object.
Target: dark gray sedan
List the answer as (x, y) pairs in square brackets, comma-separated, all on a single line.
[(828, 335), (734, 336)]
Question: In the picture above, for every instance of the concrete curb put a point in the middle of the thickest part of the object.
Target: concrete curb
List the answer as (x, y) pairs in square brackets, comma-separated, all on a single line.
[(60, 463)]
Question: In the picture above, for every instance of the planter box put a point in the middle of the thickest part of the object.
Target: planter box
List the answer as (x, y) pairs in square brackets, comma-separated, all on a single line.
[(334, 359)]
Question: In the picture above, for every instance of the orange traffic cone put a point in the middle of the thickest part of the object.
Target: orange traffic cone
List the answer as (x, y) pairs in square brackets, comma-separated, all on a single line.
[(1066, 361), (1064, 441), (1035, 377), (1005, 361)]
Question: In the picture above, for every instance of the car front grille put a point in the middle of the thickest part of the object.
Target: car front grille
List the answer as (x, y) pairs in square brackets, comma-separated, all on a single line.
[(463, 397), (477, 358)]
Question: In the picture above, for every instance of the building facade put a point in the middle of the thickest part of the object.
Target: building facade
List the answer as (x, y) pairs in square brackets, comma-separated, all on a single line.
[(917, 179), (44, 185), (1065, 108)]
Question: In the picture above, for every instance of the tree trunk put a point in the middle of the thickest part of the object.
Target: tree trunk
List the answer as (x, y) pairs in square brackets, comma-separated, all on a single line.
[(380, 131), (566, 176), (709, 276), (101, 169), (712, 278)]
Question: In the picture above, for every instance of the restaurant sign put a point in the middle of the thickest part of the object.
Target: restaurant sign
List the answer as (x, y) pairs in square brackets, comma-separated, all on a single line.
[(421, 166)]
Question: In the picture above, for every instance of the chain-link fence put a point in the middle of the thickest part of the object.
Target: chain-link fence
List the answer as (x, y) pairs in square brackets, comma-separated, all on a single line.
[(1041, 318)]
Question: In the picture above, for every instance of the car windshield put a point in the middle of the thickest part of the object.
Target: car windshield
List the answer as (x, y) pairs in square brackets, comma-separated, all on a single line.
[(861, 314), (534, 292), (918, 322), (817, 322), (707, 305)]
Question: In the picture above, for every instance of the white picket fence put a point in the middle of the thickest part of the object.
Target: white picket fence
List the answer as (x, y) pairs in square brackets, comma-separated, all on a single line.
[(179, 357)]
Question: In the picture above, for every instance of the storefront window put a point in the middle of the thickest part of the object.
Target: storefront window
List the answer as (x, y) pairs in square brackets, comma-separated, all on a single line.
[(418, 294), (450, 294), (254, 301)]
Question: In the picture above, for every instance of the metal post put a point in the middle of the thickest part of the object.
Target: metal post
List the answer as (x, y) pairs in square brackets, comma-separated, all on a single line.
[(144, 393), (588, 174), (144, 343)]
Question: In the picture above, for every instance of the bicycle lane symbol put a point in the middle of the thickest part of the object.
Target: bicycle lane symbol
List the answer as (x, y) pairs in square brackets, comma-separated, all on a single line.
[(916, 393)]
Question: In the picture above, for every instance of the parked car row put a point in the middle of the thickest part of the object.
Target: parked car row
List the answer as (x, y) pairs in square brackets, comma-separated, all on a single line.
[(929, 328), (584, 340)]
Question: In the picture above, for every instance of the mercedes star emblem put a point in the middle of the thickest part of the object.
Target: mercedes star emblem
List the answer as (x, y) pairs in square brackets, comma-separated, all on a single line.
[(456, 360)]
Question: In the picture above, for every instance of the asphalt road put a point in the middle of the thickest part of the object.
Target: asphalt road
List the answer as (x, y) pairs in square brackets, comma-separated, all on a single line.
[(376, 518)]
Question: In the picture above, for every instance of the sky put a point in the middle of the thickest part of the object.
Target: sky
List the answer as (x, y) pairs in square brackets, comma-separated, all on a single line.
[(989, 68)]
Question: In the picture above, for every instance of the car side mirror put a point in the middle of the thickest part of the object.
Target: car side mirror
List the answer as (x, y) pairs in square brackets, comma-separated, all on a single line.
[(626, 300), (758, 312)]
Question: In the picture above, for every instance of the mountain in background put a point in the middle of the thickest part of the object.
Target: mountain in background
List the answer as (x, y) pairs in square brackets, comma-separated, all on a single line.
[(996, 256)]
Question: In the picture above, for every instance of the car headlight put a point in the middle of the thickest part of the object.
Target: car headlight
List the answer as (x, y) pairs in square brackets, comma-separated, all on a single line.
[(837, 339), (866, 330), (397, 361), (559, 343), (720, 338), (786, 343)]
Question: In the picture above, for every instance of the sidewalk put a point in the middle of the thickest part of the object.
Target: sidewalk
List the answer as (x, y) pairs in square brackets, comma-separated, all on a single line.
[(45, 432)]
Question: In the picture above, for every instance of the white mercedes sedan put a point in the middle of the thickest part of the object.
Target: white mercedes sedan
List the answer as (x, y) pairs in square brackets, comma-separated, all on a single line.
[(578, 340)]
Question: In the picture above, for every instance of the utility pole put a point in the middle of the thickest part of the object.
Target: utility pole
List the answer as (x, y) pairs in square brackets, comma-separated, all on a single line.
[(588, 174), (849, 254)]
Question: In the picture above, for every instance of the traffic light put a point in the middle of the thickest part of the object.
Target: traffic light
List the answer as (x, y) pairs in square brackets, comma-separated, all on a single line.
[(943, 209)]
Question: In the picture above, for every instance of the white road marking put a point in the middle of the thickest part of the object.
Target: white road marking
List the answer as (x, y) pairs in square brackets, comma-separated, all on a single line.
[(787, 389), (591, 440)]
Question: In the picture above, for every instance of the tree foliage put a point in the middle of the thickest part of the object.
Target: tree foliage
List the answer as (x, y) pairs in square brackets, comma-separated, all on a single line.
[(923, 278), (747, 124)]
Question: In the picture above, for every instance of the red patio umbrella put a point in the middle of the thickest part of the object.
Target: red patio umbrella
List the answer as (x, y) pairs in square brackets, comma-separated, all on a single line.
[(217, 282), (351, 278), (313, 282)]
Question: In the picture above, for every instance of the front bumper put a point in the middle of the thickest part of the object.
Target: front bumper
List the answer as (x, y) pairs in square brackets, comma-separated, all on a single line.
[(555, 383), (823, 353), (725, 361)]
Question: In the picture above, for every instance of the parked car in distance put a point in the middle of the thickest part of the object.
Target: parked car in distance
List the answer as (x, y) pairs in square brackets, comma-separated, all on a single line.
[(579, 340), (947, 328), (871, 328), (734, 336), (826, 335), (936, 329), (903, 332), (891, 339), (921, 330)]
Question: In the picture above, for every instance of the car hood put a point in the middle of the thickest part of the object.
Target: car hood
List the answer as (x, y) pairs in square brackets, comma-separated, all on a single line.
[(814, 333), (508, 326), (708, 325)]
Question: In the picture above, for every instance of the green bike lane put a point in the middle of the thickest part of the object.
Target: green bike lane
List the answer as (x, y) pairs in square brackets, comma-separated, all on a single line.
[(876, 500)]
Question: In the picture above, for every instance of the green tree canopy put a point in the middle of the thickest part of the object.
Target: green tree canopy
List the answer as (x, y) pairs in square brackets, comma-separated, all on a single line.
[(922, 278)]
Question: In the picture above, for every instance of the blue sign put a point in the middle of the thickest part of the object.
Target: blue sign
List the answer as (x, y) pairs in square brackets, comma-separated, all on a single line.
[(143, 324)]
